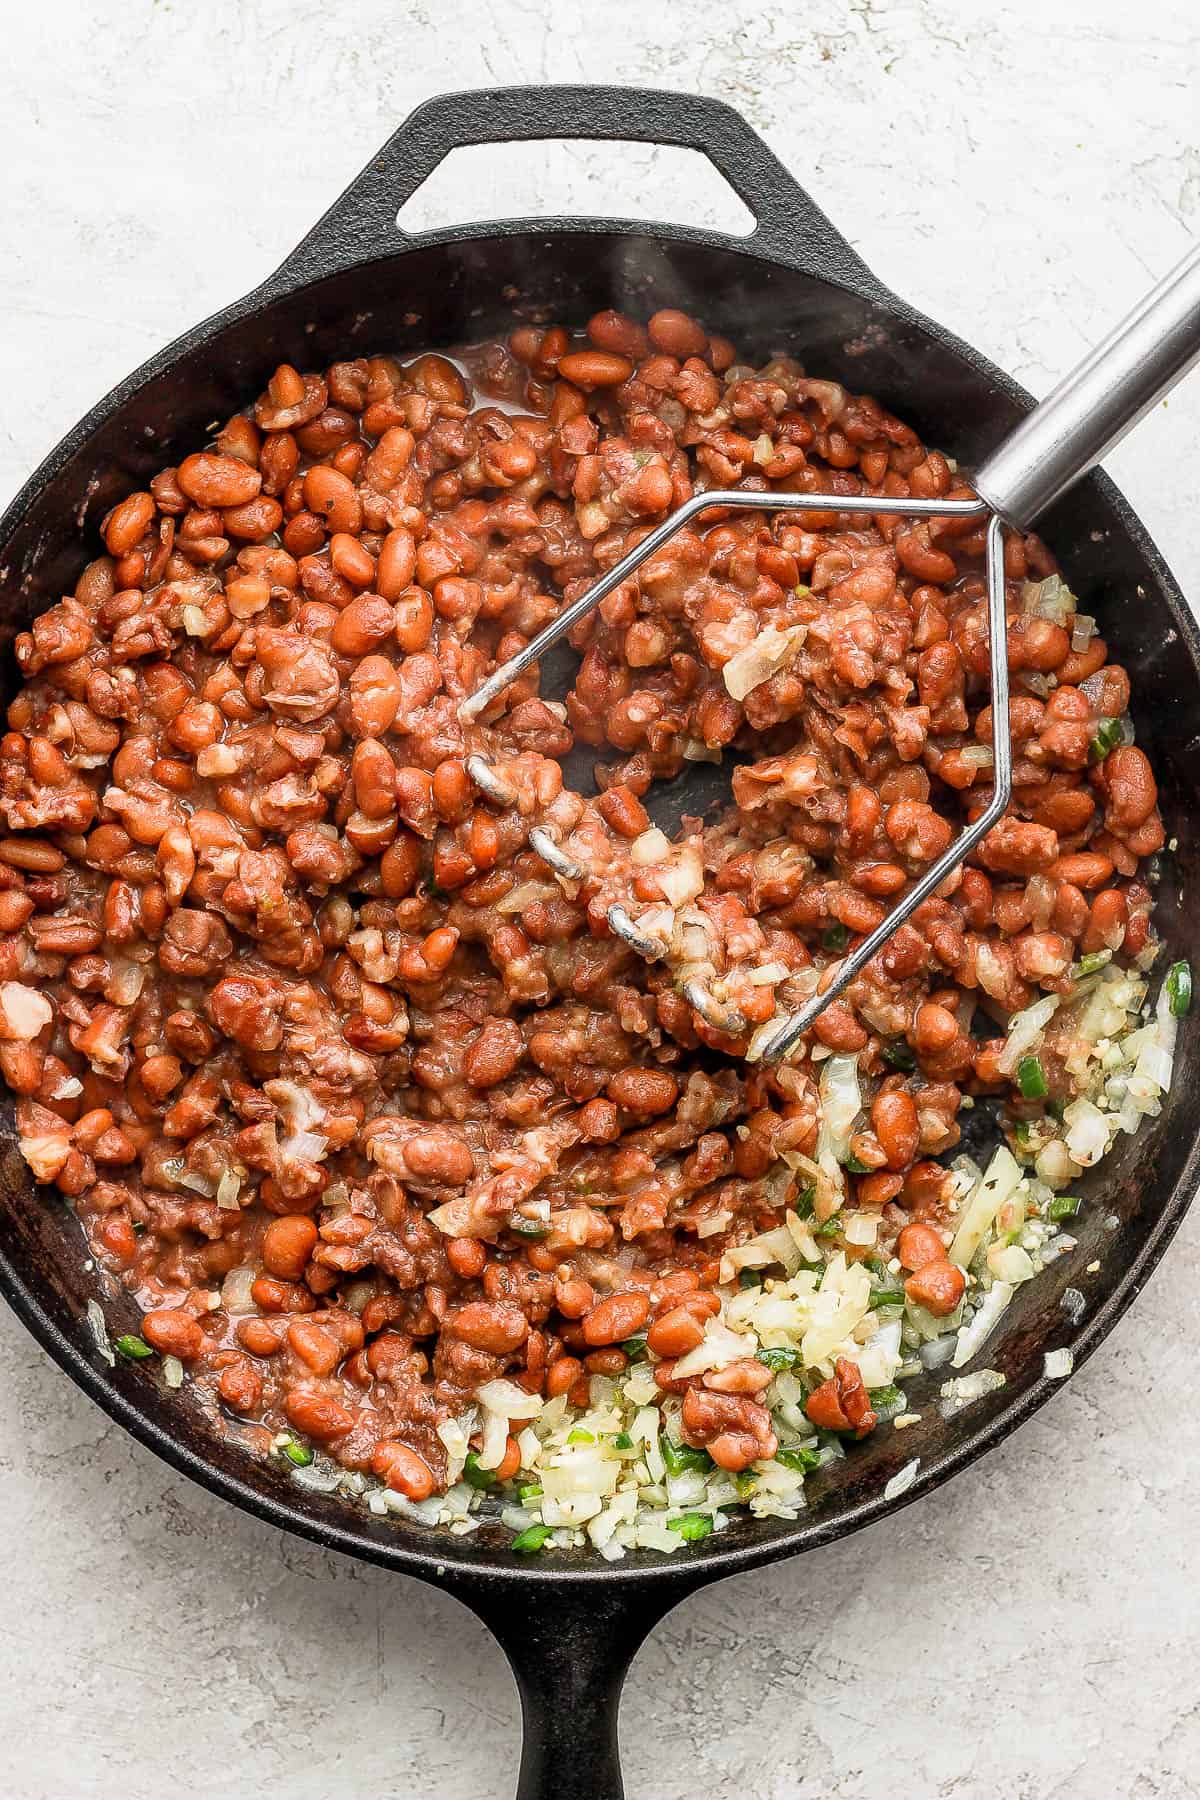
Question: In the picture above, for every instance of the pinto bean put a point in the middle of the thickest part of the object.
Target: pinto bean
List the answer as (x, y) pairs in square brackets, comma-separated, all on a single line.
[(494, 1325), (403, 1471), (674, 1333), (918, 1245), (1132, 790), (646, 1091), (937, 1285), (174, 1332), (317, 1415), (617, 1318), (210, 480), (287, 1245), (894, 1122), (594, 368)]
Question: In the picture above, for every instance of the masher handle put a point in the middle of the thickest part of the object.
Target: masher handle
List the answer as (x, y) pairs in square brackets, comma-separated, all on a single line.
[(1093, 407)]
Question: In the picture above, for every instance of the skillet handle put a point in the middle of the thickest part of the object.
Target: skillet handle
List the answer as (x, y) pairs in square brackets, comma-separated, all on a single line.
[(569, 1645), (361, 224)]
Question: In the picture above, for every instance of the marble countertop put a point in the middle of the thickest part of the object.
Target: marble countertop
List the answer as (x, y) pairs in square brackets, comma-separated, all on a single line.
[(1021, 172)]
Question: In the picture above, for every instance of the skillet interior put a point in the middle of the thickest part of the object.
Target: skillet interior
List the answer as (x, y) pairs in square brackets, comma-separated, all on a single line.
[(436, 295)]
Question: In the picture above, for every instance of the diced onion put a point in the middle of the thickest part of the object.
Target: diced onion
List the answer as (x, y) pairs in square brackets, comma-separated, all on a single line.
[(971, 1338), (98, 1327), (236, 1297), (652, 846), (1008, 1262), (24, 1013), (228, 1190), (1057, 1364), (1087, 1132), (1003, 1175), (900, 1484), (508, 1400), (1025, 1032), (961, 1390), (769, 652)]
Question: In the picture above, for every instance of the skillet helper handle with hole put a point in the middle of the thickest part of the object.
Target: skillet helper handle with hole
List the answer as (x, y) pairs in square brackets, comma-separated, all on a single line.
[(361, 223), (569, 1644), (1093, 407)]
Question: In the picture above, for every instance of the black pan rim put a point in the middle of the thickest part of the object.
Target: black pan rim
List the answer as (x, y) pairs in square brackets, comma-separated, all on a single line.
[(443, 1564)]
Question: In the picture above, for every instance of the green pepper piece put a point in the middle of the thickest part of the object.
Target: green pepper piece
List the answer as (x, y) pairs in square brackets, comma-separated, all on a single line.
[(691, 1527), (803, 1460), (1063, 1206), (532, 1539), (1179, 989), (476, 1477), (681, 1458)]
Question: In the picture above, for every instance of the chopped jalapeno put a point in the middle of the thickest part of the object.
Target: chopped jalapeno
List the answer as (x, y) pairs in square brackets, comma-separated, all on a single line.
[(888, 1297), (533, 1539), (746, 1483), (528, 1228), (803, 1204), (474, 1475), (1109, 733), (830, 1228), (635, 1348), (580, 1436), (853, 1166), (1063, 1206), (135, 1348), (622, 1441), (836, 937), (885, 1396), (300, 1454), (681, 1458), (1031, 1079), (899, 1055), (526, 1494), (802, 1459), (1179, 989), (780, 1358), (749, 1278), (691, 1527), (1095, 959)]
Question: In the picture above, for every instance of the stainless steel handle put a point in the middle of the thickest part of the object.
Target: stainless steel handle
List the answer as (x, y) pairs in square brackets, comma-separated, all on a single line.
[(1093, 407)]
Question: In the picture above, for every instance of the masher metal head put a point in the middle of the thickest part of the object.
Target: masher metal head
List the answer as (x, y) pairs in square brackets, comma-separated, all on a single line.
[(1058, 442)]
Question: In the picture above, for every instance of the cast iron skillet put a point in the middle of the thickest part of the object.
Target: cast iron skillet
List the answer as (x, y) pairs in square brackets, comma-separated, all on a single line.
[(571, 1623)]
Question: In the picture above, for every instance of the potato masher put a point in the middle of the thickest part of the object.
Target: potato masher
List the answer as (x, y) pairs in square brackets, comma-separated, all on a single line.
[(1059, 441)]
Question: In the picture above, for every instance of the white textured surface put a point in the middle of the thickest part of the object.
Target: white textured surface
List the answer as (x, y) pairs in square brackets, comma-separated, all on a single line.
[(1021, 171)]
